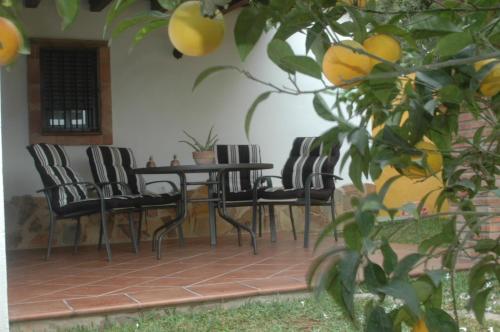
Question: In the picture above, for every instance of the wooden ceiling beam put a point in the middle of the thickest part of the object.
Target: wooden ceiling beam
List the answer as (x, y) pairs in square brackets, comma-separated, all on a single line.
[(31, 3), (98, 5)]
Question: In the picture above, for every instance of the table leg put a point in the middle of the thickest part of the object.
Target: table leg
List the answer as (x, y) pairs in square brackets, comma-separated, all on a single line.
[(211, 212)]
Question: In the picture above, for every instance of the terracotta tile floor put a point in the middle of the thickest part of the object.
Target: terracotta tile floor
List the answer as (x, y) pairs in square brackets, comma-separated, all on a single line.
[(85, 283)]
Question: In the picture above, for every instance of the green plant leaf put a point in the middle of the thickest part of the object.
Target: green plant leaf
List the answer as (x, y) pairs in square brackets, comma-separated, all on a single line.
[(453, 43), (117, 8), (402, 290), (405, 265), (322, 108), (478, 303), (374, 275), (151, 26), (251, 110), (303, 64), (209, 7), (438, 320), (390, 257), (352, 236), (129, 23), (170, 5), (67, 10), (248, 28), (277, 50), (209, 71), (348, 268), (379, 321)]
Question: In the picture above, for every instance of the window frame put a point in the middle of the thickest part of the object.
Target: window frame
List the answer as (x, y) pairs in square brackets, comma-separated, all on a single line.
[(37, 133)]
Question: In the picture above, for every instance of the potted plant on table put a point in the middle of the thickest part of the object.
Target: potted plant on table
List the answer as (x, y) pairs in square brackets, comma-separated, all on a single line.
[(203, 154)]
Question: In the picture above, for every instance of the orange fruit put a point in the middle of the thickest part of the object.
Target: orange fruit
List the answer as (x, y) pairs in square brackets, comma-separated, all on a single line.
[(490, 85), (420, 326), (384, 47), (433, 160), (341, 64), (11, 41), (193, 34)]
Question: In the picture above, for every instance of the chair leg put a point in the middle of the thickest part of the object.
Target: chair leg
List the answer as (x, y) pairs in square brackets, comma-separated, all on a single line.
[(272, 223), (104, 227), (307, 222), (77, 236), (260, 220), (238, 229), (52, 226), (99, 244), (332, 209), (133, 236), (180, 234), (293, 222), (139, 228)]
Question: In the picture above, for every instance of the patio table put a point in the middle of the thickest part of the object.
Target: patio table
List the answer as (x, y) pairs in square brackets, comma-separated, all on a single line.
[(216, 178)]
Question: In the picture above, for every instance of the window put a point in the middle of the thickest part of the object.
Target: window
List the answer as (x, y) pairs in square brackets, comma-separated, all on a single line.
[(69, 92)]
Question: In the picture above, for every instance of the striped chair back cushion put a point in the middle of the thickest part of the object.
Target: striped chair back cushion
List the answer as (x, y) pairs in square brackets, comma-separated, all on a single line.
[(113, 164), (238, 154), (54, 168), (307, 156)]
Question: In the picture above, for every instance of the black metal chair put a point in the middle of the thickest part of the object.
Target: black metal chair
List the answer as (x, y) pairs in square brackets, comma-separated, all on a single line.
[(112, 170), (307, 180), (68, 195), (238, 185)]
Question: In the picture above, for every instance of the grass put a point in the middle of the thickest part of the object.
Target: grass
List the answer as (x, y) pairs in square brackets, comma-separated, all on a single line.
[(307, 314), (410, 232)]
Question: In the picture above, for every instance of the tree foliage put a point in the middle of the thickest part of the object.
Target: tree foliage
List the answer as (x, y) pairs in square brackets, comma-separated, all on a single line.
[(422, 96)]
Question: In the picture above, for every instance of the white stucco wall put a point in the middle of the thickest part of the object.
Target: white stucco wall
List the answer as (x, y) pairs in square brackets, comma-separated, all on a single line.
[(152, 100)]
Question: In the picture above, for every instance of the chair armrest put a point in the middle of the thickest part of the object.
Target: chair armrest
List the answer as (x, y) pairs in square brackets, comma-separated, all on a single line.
[(172, 184), (267, 179), (93, 185), (307, 185)]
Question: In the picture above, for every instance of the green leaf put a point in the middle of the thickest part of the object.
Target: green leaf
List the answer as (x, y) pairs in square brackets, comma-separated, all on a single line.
[(359, 138), (355, 171), (403, 290), (248, 28), (277, 50), (405, 265), (209, 7), (374, 275), (438, 320), (209, 71), (390, 257), (170, 5), (303, 64), (348, 268), (453, 43), (485, 245), (423, 288), (128, 23), (149, 27), (322, 108), (478, 303), (428, 25), (379, 321), (352, 236), (328, 230), (451, 94), (68, 10), (435, 276), (117, 8), (251, 110), (294, 21)]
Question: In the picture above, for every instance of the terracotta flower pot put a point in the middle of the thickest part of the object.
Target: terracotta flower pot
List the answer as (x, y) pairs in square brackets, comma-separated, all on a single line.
[(203, 157)]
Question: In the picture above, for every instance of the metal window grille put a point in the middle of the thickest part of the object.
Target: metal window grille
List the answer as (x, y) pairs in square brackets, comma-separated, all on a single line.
[(70, 89)]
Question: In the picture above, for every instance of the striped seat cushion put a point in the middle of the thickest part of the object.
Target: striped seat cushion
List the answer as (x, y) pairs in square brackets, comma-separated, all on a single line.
[(113, 164), (239, 181), (307, 156), (54, 168)]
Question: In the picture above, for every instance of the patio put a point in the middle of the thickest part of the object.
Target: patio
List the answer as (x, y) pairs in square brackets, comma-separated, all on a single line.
[(70, 286)]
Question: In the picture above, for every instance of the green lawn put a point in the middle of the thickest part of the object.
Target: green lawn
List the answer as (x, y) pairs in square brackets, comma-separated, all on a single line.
[(306, 314), (410, 232)]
